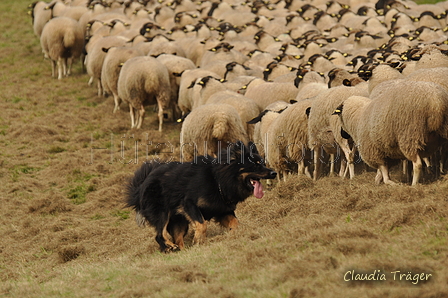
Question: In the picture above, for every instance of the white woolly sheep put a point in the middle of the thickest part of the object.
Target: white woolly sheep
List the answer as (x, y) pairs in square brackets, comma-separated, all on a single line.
[(246, 107), (209, 127), (95, 58), (144, 80), (404, 120), (188, 87), (267, 93), (41, 15), (383, 73), (62, 42), (176, 66), (309, 84), (208, 86), (288, 140), (263, 121), (324, 129), (115, 58)]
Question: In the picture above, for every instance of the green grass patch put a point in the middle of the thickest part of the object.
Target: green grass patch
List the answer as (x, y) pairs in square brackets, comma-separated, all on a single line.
[(121, 214), (17, 171)]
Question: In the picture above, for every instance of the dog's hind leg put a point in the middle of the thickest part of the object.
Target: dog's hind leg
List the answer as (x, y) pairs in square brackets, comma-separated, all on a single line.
[(162, 236), (178, 228)]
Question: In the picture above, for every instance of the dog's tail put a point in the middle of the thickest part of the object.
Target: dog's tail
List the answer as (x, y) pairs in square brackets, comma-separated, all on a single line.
[(133, 195)]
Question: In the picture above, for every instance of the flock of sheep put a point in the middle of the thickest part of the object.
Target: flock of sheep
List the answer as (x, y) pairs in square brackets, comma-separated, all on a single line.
[(312, 82)]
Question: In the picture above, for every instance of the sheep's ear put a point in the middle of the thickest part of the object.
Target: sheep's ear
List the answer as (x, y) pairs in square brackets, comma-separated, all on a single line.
[(345, 134), (258, 118), (338, 110), (191, 85), (307, 112)]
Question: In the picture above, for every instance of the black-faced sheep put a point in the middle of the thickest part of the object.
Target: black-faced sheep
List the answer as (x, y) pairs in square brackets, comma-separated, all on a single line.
[(62, 41), (209, 127), (403, 120), (144, 80)]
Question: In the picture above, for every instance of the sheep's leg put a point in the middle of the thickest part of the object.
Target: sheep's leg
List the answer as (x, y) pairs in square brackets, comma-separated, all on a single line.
[(378, 177), (90, 81), (100, 87), (317, 165), (53, 68), (141, 113), (331, 165), (64, 67), (131, 112), (385, 172), (160, 117), (301, 167), (59, 63), (117, 101), (417, 170), (69, 66)]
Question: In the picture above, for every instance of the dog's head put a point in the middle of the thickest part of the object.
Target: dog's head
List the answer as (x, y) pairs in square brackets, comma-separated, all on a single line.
[(251, 167)]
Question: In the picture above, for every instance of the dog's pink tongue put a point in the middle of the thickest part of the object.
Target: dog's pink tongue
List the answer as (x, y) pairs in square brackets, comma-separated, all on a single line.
[(258, 189)]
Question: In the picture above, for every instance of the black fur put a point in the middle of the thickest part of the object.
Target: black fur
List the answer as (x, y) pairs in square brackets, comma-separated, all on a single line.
[(171, 195)]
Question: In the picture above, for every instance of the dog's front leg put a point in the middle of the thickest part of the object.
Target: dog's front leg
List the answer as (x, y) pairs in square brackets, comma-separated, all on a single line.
[(200, 230), (228, 221), (199, 223)]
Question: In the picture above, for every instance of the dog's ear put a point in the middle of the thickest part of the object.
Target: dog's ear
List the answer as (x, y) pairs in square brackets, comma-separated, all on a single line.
[(252, 148), (235, 151)]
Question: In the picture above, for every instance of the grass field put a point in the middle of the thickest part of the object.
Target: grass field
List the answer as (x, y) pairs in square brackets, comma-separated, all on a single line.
[(65, 232)]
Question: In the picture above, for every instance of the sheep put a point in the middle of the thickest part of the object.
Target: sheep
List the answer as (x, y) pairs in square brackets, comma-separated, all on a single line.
[(40, 14), (209, 85), (383, 73), (267, 93), (262, 123), (188, 87), (309, 84), (115, 58), (144, 79), (246, 107), (324, 130), (403, 120), (209, 127), (95, 58), (62, 41), (176, 65), (288, 140)]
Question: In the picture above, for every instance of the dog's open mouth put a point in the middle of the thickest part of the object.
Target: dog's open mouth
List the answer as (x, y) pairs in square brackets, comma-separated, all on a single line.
[(258, 188)]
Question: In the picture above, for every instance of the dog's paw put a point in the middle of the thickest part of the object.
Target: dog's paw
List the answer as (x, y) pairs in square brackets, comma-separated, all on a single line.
[(171, 248)]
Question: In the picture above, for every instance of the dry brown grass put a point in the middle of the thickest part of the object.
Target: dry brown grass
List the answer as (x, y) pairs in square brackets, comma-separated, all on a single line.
[(64, 231)]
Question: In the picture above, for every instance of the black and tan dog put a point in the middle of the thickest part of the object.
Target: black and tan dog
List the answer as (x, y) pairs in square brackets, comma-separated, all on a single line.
[(170, 196)]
